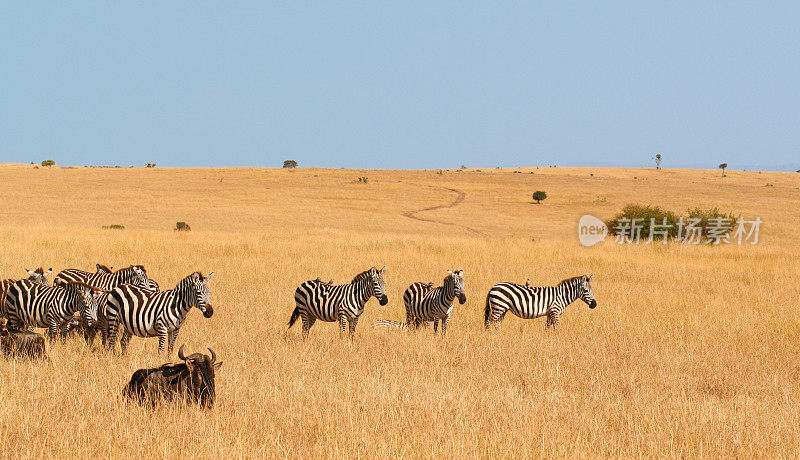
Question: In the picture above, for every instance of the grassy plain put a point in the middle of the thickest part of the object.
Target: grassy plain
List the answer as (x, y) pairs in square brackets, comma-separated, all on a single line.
[(692, 351)]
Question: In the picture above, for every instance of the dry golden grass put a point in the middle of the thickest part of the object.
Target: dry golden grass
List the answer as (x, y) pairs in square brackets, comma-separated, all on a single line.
[(691, 352)]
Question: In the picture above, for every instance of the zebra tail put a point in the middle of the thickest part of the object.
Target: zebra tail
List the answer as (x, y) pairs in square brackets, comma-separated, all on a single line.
[(487, 313), (295, 315)]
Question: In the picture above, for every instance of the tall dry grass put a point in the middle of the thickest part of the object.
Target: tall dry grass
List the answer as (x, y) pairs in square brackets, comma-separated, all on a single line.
[(691, 351)]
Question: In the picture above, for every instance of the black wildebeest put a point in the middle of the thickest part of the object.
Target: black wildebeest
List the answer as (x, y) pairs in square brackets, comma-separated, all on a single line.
[(22, 344), (193, 379)]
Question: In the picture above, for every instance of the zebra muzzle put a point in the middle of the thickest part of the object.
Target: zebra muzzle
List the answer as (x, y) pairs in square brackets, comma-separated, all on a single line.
[(593, 304), (462, 299), (209, 311), (383, 300)]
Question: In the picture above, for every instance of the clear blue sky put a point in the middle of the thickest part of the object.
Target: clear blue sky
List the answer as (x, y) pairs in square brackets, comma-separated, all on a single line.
[(405, 84)]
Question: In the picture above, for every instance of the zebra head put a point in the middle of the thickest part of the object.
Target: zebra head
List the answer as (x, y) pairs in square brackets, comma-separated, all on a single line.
[(200, 299), (103, 269), (378, 285), (84, 300), (456, 280), (586, 292), (39, 276)]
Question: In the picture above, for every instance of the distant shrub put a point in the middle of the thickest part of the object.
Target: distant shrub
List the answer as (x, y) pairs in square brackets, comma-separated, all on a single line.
[(114, 227), (712, 218), (182, 227), (643, 215), (48, 163), (463, 167), (440, 172), (539, 196), (291, 164), (149, 165), (363, 180)]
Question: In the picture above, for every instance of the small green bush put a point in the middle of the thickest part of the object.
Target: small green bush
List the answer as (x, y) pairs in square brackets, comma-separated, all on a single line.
[(182, 227), (48, 163), (539, 196), (114, 227), (363, 180), (722, 221)]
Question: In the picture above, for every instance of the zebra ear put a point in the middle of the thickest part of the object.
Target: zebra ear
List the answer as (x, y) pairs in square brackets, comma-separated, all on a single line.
[(383, 270), (590, 278), (30, 272), (49, 271), (208, 278), (449, 273), (461, 273)]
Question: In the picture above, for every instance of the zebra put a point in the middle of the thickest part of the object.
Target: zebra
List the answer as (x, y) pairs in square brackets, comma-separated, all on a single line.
[(38, 276), (343, 303), (425, 304), (108, 281), (52, 307), (93, 318), (160, 314), (533, 302), (76, 275)]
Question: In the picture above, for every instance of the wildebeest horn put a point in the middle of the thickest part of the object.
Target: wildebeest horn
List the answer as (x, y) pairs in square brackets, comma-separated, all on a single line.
[(180, 352), (213, 356)]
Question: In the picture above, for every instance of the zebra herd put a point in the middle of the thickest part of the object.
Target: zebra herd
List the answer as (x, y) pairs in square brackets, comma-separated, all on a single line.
[(103, 301), (317, 300), (129, 302)]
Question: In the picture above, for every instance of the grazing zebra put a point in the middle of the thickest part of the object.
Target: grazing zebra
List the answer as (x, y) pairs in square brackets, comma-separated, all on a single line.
[(426, 304), (33, 305), (344, 303), (74, 275), (533, 302), (160, 314), (38, 276)]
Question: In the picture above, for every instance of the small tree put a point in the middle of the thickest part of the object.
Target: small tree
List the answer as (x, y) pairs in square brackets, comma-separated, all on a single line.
[(722, 166), (539, 196), (149, 165), (291, 164), (48, 163), (658, 160), (463, 166)]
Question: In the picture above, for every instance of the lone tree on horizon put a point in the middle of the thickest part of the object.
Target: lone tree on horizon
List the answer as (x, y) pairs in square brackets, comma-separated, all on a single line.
[(539, 196), (658, 160), (722, 166), (289, 164)]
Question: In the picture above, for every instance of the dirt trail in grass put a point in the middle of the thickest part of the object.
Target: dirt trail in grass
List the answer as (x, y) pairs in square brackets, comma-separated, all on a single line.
[(459, 198)]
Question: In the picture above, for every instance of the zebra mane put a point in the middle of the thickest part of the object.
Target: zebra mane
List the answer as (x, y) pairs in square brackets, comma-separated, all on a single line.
[(361, 276), (79, 284), (570, 280)]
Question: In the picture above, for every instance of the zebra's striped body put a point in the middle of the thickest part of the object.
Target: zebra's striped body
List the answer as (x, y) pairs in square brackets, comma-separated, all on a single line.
[(425, 304), (108, 281), (33, 305), (38, 276), (532, 302), (95, 318), (74, 275), (344, 303), (142, 313)]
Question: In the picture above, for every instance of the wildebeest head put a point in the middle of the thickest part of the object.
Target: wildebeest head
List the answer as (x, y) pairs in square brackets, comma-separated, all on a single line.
[(200, 296), (201, 369)]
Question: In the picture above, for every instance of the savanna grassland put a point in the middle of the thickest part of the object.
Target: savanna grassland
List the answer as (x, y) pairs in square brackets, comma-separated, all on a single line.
[(692, 350)]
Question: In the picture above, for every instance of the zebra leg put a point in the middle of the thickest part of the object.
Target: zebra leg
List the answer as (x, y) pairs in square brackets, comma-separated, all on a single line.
[(171, 341), (307, 323), (123, 342), (342, 325), (436, 326), (353, 323), (52, 328), (552, 320), (445, 320)]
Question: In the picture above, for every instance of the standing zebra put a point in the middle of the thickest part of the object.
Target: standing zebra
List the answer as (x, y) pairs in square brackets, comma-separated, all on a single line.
[(38, 276), (107, 281), (344, 303), (425, 303), (533, 302), (93, 318), (71, 275), (33, 305), (160, 314)]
